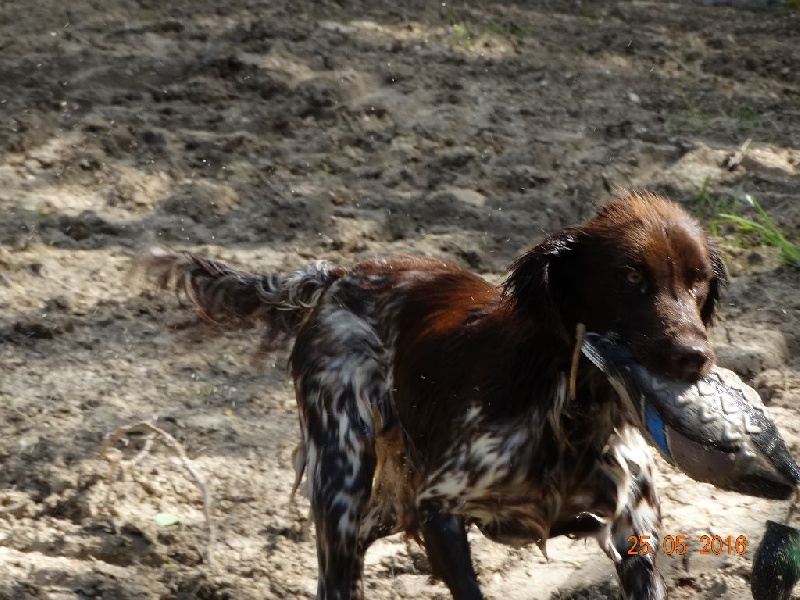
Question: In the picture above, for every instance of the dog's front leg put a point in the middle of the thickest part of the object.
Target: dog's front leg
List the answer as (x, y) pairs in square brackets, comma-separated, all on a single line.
[(634, 541), (637, 546), (445, 538)]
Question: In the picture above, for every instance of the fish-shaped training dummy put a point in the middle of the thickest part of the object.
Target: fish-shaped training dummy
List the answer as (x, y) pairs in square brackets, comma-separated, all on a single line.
[(715, 430)]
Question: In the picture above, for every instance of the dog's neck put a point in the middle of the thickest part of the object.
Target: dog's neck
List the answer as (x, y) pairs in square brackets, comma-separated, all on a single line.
[(540, 362)]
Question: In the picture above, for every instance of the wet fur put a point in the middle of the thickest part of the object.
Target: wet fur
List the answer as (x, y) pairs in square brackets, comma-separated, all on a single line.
[(430, 400)]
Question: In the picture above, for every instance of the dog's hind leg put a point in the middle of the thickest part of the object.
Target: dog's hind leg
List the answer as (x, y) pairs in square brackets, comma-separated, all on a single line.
[(341, 381), (378, 522), (339, 492)]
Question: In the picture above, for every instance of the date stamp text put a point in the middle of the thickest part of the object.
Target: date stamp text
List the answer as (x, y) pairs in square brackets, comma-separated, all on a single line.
[(711, 545)]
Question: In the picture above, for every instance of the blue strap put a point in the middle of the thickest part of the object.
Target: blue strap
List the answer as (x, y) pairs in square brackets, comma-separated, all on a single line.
[(657, 430)]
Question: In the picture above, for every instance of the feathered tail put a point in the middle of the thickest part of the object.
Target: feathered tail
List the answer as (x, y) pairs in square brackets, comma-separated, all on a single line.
[(234, 299)]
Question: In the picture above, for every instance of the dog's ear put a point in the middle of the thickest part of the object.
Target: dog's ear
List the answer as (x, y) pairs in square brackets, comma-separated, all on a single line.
[(719, 280), (542, 281)]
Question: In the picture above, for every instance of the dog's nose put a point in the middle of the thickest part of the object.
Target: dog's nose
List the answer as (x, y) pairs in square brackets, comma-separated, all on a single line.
[(691, 361)]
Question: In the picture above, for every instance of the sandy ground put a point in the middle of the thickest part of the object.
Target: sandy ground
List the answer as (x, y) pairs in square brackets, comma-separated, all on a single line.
[(268, 132)]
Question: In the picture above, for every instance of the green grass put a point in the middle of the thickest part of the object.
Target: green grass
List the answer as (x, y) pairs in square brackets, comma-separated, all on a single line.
[(709, 207), (465, 35), (493, 28), (765, 230), (741, 120), (462, 35), (693, 109), (758, 228)]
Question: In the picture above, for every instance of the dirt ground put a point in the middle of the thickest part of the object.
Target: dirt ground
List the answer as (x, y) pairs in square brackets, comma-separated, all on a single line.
[(270, 132)]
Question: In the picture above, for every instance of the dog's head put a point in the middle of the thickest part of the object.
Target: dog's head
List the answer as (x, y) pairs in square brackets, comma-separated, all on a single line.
[(642, 268)]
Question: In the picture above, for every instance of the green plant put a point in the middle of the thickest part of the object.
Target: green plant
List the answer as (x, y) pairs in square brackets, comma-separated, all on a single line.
[(708, 207), (765, 230), (695, 112), (465, 35), (519, 32), (496, 29), (459, 31), (720, 210), (742, 120), (462, 35)]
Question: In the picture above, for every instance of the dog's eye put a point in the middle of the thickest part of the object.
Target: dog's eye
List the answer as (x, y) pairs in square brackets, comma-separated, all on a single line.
[(698, 277), (698, 280), (634, 277)]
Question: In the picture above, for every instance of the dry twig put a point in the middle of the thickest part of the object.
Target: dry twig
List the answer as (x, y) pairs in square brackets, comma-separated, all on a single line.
[(580, 334), (732, 161), (159, 434)]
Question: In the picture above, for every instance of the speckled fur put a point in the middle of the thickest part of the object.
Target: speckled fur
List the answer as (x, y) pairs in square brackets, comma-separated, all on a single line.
[(430, 400)]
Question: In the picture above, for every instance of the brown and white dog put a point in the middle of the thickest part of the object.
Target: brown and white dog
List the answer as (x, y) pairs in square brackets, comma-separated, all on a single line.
[(430, 400)]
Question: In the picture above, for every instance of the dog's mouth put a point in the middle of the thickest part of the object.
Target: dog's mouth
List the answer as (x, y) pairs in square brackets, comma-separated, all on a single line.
[(680, 358), (715, 430)]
